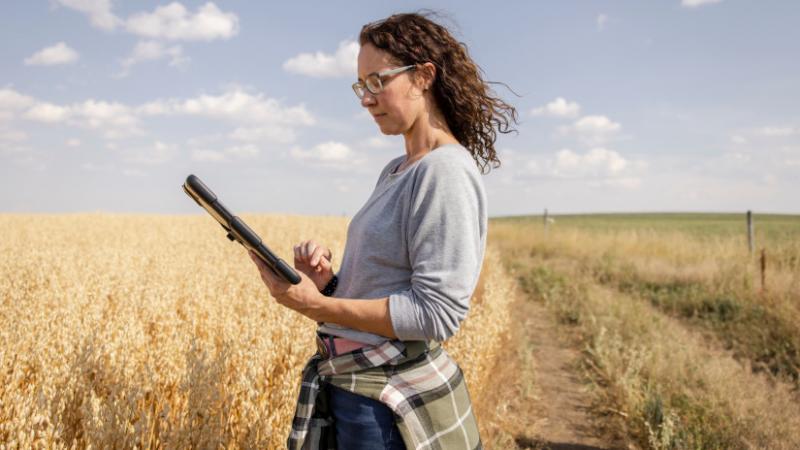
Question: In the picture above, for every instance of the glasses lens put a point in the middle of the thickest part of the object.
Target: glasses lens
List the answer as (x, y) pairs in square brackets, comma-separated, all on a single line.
[(373, 84), (358, 88)]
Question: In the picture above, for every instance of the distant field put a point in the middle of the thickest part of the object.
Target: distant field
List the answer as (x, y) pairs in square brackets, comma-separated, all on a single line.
[(767, 226), (688, 347)]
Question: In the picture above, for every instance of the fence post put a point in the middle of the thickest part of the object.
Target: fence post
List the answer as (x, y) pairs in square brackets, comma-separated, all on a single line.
[(763, 270), (750, 238)]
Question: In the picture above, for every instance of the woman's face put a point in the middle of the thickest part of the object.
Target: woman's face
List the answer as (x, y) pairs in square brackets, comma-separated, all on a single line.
[(401, 103)]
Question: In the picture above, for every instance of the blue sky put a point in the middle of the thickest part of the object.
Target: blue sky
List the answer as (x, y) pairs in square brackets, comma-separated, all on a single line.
[(671, 105)]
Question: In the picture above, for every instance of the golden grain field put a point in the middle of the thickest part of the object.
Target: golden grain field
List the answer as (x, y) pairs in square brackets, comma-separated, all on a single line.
[(134, 331)]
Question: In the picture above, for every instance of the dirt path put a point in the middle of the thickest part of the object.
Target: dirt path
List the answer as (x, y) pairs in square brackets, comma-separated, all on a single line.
[(541, 401)]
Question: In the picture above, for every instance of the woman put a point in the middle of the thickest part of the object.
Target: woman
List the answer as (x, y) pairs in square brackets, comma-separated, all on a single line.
[(412, 257)]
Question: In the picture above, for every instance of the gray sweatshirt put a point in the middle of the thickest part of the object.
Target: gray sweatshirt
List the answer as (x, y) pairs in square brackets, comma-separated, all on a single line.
[(420, 240)]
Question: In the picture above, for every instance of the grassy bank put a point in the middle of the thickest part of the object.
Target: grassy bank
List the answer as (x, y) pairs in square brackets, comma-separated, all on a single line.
[(673, 322)]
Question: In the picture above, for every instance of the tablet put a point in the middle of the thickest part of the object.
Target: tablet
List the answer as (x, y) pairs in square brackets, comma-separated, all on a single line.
[(236, 228)]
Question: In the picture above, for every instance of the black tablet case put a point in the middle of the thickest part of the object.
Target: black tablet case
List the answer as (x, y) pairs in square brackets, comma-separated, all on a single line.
[(236, 229)]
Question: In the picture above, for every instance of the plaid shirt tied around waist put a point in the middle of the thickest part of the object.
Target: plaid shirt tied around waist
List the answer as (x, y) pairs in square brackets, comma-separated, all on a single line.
[(418, 381)]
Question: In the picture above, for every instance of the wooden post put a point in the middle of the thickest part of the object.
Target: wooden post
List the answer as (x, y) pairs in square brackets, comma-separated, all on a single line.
[(545, 223), (763, 270), (750, 238)]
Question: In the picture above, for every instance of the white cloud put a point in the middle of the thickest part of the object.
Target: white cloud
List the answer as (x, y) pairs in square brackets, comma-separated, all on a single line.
[(12, 102), (738, 157), (48, 113), (625, 183), (243, 151), (60, 53), (272, 133), (363, 114), (331, 154), (99, 12), (592, 130), (133, 173), (380, 142), (168, 22), (596, 167), (235, 152), (26, 158), (10, 148), (558, 108), (534, 167), (175, 22), (13, 136), (738, 140), (696, 3), (257, 117), (343, 63), (333, 151), (151, 51), (208, 156), (602, 19), (115, 119), (73, 142), (236, 105), (596, 124), (159, 153), (94, 167), (772, 131), (343, 184), (596, 162)]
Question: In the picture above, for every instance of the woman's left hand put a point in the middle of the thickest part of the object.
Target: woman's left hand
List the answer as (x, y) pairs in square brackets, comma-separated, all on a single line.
[(303, 297)]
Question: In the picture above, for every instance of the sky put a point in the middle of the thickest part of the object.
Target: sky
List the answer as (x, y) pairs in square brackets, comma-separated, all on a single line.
[(624, 106)]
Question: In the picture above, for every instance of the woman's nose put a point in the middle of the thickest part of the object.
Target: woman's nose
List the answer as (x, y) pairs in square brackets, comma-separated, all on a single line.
[(368, 99)]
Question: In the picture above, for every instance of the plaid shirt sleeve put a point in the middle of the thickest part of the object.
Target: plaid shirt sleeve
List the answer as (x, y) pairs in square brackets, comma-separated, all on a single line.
[(419, 382)]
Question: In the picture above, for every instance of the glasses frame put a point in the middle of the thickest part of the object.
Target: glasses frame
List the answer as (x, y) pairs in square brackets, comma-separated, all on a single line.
[(362, 87)]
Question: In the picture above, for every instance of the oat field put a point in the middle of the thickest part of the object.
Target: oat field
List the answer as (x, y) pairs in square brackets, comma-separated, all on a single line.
[(134, 331)]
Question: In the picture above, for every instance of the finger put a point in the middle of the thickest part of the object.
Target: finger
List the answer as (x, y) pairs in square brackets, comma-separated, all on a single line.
[(326, 264), (254, 257), (317, 256), (309, 248), (270, 279), (259, 262), (297, 253), (262, 266), (263, 270)]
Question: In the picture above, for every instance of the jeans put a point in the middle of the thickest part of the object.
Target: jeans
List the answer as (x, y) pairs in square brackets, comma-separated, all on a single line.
[(363, 423)]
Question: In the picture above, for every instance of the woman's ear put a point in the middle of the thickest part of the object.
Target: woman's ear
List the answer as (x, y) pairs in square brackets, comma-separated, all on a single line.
[(427, 75)]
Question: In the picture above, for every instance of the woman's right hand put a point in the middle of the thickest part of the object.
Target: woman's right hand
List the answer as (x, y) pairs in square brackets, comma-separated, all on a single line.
[(314, 260)]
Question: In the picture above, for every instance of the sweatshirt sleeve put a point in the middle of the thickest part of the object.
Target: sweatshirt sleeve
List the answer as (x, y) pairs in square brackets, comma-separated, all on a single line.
[(446, 238)]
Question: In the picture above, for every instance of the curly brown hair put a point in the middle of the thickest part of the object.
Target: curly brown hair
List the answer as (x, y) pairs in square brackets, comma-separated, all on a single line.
[(473, 114)]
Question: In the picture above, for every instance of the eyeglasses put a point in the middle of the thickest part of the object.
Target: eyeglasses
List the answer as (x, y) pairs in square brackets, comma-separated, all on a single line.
[(374, 81)]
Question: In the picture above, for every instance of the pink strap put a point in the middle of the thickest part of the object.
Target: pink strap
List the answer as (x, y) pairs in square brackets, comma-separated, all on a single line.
[(344, 345)]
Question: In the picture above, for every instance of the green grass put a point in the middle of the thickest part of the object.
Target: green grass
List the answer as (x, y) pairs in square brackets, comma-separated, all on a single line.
[(673, 319), (767, 337), (764, 336), (770, 227), (666, 419)]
